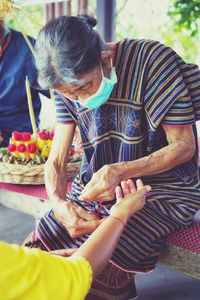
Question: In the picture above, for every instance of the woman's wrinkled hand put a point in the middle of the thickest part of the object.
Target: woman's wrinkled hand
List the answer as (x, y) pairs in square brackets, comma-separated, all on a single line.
[(129, 198), (76, 220), (102, 185)]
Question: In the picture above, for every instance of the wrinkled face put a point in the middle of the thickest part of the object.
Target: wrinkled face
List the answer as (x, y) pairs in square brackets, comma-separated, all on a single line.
[(89, 84)]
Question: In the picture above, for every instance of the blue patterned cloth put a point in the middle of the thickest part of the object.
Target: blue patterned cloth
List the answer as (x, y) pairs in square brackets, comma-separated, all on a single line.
[(17, 62)]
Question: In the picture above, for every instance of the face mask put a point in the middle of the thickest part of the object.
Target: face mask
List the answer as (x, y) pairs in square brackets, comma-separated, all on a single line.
[(103, 92)]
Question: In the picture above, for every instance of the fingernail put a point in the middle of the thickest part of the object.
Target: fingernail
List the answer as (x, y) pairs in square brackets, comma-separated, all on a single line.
[(148, 188)]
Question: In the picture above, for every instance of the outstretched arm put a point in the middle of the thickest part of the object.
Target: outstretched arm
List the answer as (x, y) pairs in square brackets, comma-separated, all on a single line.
[(180, 148)]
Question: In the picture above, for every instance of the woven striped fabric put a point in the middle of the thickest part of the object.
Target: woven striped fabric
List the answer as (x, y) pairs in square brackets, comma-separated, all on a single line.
[(155, 87)]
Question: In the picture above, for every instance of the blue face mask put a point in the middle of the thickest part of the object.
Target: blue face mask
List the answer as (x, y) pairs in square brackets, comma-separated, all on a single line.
[(103, 92)]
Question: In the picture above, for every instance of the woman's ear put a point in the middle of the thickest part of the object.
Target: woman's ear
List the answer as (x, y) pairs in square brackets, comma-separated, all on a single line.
[(106, 57), (106, 61)]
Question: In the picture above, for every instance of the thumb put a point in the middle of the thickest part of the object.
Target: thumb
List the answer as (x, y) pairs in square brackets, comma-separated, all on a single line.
[(148, 188), (144, 190)]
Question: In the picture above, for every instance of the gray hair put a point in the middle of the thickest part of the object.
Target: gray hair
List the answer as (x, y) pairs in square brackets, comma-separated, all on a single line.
[(67, 47)]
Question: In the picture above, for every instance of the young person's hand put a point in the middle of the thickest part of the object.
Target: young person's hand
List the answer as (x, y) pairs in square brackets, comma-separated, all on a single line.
[(98, 248), (129, 199)]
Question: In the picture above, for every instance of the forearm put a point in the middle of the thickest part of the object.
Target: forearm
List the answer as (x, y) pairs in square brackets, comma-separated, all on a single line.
[(157, 162), (56, 165), (101, 244), (55, 181)]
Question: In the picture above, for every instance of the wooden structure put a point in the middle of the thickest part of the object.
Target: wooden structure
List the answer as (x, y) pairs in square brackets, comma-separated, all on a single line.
[(105, 12), (181, 251), (61, 8), (181, 260)]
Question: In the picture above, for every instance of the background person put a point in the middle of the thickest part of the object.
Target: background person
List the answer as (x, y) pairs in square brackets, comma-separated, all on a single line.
[(16, 62), (135, 103)]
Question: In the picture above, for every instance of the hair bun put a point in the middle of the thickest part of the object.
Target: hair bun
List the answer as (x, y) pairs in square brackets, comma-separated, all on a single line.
[(91, 21)]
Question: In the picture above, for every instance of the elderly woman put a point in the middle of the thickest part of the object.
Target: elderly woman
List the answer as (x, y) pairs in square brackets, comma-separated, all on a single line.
[(135, 103)]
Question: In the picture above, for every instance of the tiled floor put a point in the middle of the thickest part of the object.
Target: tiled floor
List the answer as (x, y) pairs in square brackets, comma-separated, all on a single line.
[(162, 284), (14, 225), (166, 284)]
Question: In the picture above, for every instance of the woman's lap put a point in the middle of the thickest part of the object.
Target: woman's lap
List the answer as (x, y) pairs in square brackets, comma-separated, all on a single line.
[(139, 246)]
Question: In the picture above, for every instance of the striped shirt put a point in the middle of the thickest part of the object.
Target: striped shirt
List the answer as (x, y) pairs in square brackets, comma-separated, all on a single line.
[(155, 87)]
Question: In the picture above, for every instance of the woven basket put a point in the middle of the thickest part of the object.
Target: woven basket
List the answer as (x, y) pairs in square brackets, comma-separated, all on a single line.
[(26, 174)]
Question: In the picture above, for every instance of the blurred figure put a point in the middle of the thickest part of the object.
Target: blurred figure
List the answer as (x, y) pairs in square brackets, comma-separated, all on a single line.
[(16, 62)]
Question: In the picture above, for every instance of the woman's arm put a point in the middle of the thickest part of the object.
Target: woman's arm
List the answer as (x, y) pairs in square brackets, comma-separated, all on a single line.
[(55, 167), (180, 148), (73, 217)]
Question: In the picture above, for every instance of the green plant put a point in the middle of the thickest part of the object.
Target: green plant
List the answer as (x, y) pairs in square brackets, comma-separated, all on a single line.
[(186, 14), (30, 19)]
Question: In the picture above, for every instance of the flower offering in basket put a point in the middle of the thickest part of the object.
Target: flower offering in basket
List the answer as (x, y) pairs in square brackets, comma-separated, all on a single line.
[(25, 150), (22, 162)]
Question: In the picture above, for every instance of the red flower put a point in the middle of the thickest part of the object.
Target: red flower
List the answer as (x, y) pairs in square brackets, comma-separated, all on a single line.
[(25, 136), (11, 148), (43, 135), (71, 152), (51, 136), (21, 148), (31, 148), (16, 135)]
